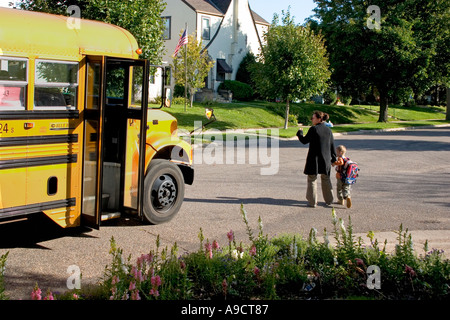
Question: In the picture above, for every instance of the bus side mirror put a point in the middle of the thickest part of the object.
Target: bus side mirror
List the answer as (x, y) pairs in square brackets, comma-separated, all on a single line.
[(168, 99)]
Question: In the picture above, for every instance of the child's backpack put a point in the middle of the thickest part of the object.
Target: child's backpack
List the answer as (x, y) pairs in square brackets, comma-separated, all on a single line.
[(350, 171)]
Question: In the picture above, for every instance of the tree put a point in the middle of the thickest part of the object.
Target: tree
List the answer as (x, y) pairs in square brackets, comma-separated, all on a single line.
[(141, 17), (293, 63), (197, 66), (400, 54)]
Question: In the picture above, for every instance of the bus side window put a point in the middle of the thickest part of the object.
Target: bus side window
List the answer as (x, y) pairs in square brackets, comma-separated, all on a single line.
[(13, 83), (56, 85)]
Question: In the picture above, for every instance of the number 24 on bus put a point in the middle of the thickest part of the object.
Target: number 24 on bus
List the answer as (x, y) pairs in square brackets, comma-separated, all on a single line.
[(73, 106)]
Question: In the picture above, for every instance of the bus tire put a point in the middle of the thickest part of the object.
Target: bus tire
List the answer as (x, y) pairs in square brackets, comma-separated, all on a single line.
[(163, 191)]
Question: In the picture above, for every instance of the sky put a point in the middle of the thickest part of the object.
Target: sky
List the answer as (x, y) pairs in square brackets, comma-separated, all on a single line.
[(300, 9)]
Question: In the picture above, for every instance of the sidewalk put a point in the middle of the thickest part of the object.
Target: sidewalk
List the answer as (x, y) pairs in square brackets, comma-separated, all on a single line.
[(437, 239)]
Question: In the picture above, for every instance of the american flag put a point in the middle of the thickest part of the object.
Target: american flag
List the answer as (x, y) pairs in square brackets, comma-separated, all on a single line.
[(183, 40)]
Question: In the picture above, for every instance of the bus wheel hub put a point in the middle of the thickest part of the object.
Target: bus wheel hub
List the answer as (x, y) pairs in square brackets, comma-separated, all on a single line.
[(165, 191)]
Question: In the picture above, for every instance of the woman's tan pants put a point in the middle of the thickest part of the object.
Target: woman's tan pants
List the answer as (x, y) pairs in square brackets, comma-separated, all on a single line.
[(311, 191)]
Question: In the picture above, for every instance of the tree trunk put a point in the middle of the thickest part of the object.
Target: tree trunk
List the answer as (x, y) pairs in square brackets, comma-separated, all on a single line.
[(191, 99), (447, 117), (383, 106), (286, 118)]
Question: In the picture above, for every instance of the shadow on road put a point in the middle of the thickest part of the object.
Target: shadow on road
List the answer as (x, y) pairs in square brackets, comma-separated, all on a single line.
[(31, 232), (259, 200)]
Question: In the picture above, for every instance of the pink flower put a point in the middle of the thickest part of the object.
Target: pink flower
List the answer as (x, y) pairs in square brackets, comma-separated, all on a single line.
[(359, 262), (215, 245), (256, 271), (410, 271), (132, 286), (224, 286), (135, 295), (252, 251), (230, 235), (115, 280), (137, 274), (154, 293), (49, 296), (36, 294), (156, 281), (208, 248), (75, 296), (147, 258)]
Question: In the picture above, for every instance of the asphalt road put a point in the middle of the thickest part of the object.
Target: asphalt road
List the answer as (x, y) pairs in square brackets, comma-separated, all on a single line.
[(404, 179)]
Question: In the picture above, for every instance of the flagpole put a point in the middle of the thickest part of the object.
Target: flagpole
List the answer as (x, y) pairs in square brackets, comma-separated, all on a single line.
[(185, 71)]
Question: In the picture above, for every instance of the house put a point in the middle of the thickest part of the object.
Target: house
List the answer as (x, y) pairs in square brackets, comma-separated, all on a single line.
[(228, 29)]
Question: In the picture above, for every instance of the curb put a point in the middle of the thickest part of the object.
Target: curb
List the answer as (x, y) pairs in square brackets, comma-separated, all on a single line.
[(392, 129), (335, 134)]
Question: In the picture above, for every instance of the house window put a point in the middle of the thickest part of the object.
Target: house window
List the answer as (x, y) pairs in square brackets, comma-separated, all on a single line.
[(167, 23), (206, 29)]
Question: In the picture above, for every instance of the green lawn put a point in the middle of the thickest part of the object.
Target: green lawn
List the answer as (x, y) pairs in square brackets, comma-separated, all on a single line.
[(258, 114)]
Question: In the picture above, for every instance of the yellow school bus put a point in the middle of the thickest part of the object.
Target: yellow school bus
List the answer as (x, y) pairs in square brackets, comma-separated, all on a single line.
[(73, 109)]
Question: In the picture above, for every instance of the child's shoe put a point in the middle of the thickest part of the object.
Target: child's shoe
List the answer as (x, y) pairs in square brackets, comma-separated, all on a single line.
[(349, 202)]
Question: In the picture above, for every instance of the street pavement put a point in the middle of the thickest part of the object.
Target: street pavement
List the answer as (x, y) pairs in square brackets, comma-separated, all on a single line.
[(404, 181)]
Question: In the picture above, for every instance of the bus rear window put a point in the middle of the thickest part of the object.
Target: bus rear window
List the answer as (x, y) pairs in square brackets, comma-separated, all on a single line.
[(56, 85), (13, 83)]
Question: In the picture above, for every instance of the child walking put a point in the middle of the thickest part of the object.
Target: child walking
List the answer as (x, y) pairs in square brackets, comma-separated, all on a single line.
[(343, 188)]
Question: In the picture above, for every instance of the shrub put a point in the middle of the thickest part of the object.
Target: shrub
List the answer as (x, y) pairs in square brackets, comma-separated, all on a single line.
[(241, 91)]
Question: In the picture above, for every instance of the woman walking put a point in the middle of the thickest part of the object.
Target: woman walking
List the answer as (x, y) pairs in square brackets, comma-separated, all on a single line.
[(321, 155)]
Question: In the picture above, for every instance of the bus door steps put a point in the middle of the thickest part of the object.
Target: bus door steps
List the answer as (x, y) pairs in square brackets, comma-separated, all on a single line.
[(110, 215)]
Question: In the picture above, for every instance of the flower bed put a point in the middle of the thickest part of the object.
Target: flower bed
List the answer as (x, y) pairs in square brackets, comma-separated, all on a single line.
[(284, 267)]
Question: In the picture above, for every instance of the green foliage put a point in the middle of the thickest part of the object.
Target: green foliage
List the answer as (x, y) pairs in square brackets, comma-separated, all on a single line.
[(293, 63), (141, 17), (241, 91), (243, 73), (3, 259), (399, 58)]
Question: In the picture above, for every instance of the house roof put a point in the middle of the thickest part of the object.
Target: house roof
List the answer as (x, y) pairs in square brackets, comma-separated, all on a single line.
[(206, 6), (217, 7)]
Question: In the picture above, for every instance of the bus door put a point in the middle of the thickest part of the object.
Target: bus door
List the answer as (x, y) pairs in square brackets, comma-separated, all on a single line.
[(92, 155), (121, 121)]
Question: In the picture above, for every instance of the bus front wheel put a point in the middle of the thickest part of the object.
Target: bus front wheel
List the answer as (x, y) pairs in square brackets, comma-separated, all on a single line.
[(163, 191)]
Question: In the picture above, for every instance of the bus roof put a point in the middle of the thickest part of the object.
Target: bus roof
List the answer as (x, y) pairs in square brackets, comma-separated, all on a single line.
[(47, 36)]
